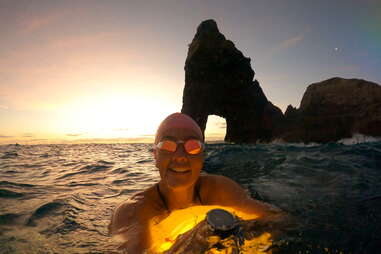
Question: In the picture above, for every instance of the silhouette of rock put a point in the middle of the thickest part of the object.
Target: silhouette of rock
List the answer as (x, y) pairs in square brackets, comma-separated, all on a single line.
[(335, 109), (219, 81)]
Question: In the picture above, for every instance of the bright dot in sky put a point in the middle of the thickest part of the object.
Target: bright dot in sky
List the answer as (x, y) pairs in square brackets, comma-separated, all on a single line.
[(336, 49)]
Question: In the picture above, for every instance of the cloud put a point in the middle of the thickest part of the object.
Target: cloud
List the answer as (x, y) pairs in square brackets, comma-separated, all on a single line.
[(74, 134), (27, 135), (286, 44), (121, 129), (215, 134), (3, 107), (39, 139), (33, 24), (221, 125), (75, 41), (290, 42), (111, 140), (4, 136)]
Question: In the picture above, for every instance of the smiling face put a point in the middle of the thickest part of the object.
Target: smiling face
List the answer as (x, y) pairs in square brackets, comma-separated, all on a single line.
[(178, 169)]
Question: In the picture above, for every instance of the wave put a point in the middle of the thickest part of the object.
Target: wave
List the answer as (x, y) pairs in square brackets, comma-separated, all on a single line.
[(75, 184), (9, 155), (8, 218), (358, 138), (119, 171), (69, 208), (44, 210), (106, 162), (144, 161), (6, 183), (88, 169), (67, 226), (120, 181), (10, 194)]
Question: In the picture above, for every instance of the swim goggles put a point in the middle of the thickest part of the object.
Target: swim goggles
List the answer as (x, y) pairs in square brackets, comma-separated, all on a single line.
[(191, 146)]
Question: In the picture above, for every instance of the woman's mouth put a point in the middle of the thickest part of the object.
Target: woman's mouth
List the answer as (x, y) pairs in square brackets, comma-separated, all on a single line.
[(180, 170)]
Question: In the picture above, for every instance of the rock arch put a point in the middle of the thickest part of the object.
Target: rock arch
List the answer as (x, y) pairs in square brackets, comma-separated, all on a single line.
[(215, 128), (219, 81)]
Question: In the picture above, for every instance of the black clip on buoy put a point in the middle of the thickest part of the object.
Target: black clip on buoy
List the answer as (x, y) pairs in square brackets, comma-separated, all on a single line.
[(224, 224)]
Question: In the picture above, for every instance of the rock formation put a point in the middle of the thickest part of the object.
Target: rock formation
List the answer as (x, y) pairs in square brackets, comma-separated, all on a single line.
[(219, 81), (335, 109)]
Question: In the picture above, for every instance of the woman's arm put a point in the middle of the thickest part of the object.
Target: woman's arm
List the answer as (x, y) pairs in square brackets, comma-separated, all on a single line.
[(129, 227), (220, 190)]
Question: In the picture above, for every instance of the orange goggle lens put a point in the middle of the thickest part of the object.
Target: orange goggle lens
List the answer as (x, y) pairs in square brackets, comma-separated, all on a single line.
[(167, 145), (191, 146)]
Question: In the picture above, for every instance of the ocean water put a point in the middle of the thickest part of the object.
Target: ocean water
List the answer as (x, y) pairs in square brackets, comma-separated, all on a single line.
[(59, 198)]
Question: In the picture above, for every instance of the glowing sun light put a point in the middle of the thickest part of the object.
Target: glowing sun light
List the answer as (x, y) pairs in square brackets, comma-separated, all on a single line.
[(115, 116)]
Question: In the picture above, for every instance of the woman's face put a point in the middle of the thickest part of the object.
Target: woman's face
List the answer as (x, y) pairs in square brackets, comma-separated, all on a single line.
[(178, 169)]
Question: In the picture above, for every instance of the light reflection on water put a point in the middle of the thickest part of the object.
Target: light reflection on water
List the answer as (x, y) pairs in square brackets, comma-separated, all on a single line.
[(59, 198)]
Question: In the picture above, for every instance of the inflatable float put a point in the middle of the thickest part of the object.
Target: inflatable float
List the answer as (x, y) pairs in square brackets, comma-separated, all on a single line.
[(209, 230)]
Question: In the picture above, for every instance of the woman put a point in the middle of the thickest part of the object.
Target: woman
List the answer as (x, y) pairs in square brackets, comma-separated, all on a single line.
[(178, 152)]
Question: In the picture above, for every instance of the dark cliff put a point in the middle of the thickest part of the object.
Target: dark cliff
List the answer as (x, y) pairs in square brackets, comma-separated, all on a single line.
[(335, 109), (219, 81)]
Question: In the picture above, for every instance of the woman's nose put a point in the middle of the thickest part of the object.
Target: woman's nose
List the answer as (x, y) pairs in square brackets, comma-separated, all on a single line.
[(180, 159), (180, 155)]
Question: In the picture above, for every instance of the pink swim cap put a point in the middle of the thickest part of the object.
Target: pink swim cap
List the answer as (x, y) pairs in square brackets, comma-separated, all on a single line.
[(178, 120)]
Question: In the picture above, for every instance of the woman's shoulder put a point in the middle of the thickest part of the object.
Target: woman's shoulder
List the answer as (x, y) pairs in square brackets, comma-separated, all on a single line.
[(217, 189), (215, 180), (138, 199), (139, 208)]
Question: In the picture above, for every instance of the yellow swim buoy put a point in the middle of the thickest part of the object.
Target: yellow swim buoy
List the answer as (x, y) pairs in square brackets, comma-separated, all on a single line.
[(165, 233)]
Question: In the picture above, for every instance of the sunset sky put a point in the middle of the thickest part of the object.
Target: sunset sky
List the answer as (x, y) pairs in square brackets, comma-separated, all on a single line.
[(110, 71)]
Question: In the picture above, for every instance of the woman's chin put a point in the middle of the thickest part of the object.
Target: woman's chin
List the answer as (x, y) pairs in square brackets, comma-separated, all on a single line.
[(178, 184)]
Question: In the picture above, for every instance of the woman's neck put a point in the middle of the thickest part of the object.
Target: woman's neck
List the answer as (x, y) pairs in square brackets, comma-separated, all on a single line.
[(177, 198)]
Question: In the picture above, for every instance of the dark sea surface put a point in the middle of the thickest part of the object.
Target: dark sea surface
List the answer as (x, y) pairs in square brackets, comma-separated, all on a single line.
[(59, 198)]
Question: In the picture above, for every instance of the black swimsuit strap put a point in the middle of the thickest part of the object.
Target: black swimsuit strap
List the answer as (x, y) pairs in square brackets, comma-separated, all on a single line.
[(197, 189), (161, 196)]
